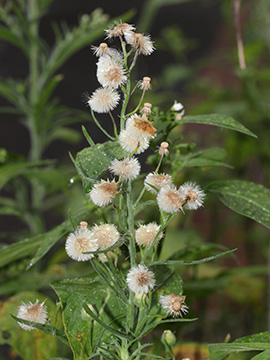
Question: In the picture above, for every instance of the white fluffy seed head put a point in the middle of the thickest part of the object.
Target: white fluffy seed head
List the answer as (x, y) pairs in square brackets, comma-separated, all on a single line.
[(157, 180), (79, 242), (32, 312), (174, 305), (146, 234), (128, 168), (103, 192), (142, 43), (104, 100), (140, 128), (140, 279), (192, 194), (130, 144), (110, 72), (169, 199), (105, 235), (119, 29)]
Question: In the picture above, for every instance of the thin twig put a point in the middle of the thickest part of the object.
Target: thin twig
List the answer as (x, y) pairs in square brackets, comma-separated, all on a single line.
[(239, 39)]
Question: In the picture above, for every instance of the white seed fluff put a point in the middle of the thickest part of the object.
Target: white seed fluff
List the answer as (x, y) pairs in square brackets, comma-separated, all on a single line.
[(104, 100), (105, 235), (192, 194), (174, 305), (145, 234), (140, 128), (128, 168), (157, 180), (110, 72), (169, 199), (79, 242), (128, 143), (32, 312), (140, 279), (104, 192), (142, 43)]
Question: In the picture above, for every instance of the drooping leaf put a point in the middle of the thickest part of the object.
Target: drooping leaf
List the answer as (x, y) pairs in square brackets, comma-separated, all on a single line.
[(217, 120), (81, 329), (244, 197), (265, 355)]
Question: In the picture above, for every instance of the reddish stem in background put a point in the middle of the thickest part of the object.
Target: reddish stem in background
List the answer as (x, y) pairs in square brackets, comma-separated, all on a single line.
[(239, 40)]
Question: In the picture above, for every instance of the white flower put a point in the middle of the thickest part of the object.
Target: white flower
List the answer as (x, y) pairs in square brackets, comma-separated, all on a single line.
[(169, 199), (104, 192), (110, 72), (157, 180), (105, 235), (104, 100), (142, 43), (140, 128), (192, 194), (32, 312), (128, 168), (130, 144), (140, 279), (79, 242), (178, 107), (145, 234), (119, 30), (174, 304)]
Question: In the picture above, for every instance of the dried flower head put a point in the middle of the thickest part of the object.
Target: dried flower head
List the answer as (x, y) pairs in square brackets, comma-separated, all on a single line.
[(142, 43), (32, 312), (104, 192), (174, 304), (169, 199), (145, 234), (120, 29), (128, 168), (140, 279), (192, 194), (145, 84), (80, 241), (130, 144), (104, 100), (146, 109), (157, 180), (102, 49), (139, 127), (163, 149), (110, 72), (105, 235)]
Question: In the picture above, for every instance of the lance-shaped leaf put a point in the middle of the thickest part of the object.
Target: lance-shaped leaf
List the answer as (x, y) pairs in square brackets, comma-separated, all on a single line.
[(244, 197), (222, 121), (82, 330)]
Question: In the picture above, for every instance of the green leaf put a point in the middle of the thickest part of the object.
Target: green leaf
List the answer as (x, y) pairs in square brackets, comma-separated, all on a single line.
[(217, 120), (244, 197), (7, 172), (92, 161), (221, 351), (82, 331), (8, 35), (265, 355), (192, 262)]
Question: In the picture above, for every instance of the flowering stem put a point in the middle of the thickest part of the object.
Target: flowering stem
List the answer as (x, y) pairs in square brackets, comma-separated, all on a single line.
[(139, 197), (132, 245), (100, 127), (138, 106), (114, 125), (160, 161), (148, 251)]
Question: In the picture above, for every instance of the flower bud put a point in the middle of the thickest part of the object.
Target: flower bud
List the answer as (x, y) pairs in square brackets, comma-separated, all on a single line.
[(168, 337), (139, 299)]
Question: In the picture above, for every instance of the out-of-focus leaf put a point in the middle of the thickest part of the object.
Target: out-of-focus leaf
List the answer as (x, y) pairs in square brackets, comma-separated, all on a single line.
[(265, 355), (81, 330), (7, 172), (217, 120), (8, 35), (68, 135), (26, 343), (244, 197)]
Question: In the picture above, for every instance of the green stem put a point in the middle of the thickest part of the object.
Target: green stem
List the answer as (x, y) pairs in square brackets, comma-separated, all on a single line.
[(132, 244), (114, 125), (99, 126)]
